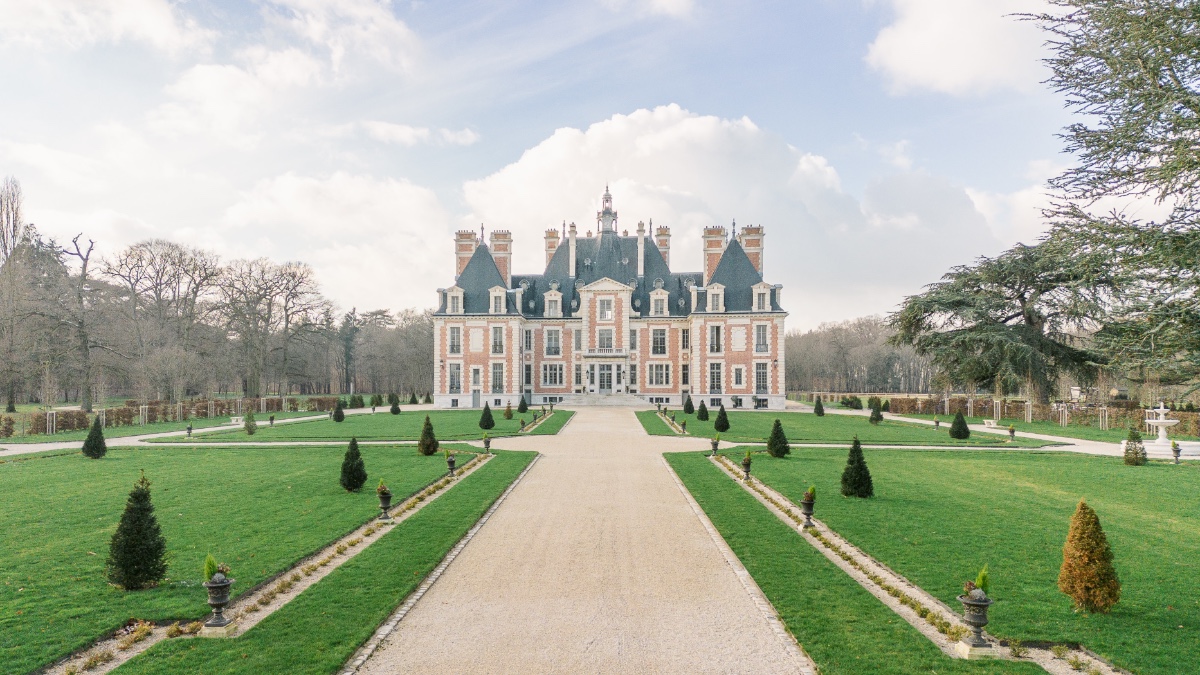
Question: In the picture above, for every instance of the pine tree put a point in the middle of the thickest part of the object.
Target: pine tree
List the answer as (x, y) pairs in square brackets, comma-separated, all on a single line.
[(1087, 573), (722, 422), (856, 478), (508, 414), (485, 420), (137, 553), (428, 443), (688, 408), (249, 424), (876, 416), (1135, 451), (522, 407), (958, 428), (702, 412), (94, 446), (886, 407), (818, 409), (338, 413), (777, 444), (412, 399), (354, 472), (428, 398), (395, 409), (394, 399)]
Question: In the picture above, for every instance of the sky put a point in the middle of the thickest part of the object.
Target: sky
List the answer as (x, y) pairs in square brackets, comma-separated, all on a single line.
[(878, 142)]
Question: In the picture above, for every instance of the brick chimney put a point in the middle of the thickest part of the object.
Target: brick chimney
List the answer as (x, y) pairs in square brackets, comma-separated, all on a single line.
[(552, 237), (714, 247), (662, 238), (465, 243), (641, 237), (571, 258), (751, 239), (501, 245)]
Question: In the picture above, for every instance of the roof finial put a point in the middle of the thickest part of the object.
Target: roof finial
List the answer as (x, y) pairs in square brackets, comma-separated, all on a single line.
[(733, 232), (481, 238)]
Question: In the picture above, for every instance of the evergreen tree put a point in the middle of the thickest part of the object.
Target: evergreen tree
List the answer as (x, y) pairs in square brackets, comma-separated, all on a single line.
[(958, 428), (777, 444), (856, 478), (94, 446), (702, 412), (428, 443), (818, 409), (522, 407), (249, 424), (339, 414), (1087, 573), (394, 399), (412, 399), (354, 472), (876, 415), (508, 413), (688, 408), (485, 420), (137, 553), (1135, 451), (886, 407), (395, 409), (428, 398), (722, 422)]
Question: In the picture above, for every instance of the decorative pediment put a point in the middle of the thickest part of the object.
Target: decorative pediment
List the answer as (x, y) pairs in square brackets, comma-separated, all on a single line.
[(606, 284)]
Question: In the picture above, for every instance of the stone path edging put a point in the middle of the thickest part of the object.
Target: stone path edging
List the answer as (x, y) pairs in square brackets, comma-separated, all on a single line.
[(855, 560), (534, 425), (325, 561), (803, 661), (360, 657), (671, 424)]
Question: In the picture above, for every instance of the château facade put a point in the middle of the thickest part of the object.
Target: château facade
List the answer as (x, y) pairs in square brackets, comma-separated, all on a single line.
[(608, 316)]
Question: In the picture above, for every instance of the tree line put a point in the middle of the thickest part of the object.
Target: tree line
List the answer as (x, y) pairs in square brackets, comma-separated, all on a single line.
[(163, 321)]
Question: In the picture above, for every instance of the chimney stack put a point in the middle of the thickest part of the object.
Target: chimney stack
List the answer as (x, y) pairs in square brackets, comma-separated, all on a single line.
[(714, 247), (641, 235), (465, 243), (751, 239), (571, 259), (501, 245), (551, 243), (662, 238)]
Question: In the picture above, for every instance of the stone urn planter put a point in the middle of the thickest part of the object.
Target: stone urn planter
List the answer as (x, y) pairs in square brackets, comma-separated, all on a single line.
[(806, 507), (487, 445), (975, 614), (450, 463), (385, 503), (218, 599), (1175, 451), (746, 466), (715, 442)]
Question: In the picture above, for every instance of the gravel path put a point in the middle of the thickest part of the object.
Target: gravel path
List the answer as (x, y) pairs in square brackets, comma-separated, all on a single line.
[(595, 563)]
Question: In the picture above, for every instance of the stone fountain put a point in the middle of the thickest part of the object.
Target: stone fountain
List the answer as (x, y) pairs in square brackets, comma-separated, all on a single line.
[(1161, 424)]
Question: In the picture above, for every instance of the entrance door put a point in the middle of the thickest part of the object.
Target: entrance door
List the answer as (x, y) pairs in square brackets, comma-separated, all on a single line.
[(475, 398), (606, 378)]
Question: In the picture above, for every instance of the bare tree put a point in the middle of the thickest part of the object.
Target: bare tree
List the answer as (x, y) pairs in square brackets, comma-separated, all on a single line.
[(300, 308), (12, 222)]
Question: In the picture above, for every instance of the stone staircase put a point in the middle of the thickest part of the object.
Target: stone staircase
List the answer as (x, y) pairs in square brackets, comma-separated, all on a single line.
[(607, 400)]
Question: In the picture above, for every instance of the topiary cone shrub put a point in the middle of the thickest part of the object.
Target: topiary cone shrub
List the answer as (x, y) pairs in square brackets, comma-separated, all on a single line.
[(412, 399), (886, 407), (876, 416), (428, 398), (486, 421), (137, 553), (339, 414), (958, 429), (249, 424), (508, 414), (818, 409), (856, 478), (702, 412), (1135, 450), (94, 446), (1087, 573), (428, 443), (722, 422), (777, 443), (395, 409), (522, 407), (354, 472), (688, 408)]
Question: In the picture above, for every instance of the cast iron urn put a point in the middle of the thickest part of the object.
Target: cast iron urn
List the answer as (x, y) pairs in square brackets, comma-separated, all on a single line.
[(218, 599), (746, 466), (450, 463), (385, 503), (715, 443), (975, 614), (806, 507), (487, 445)]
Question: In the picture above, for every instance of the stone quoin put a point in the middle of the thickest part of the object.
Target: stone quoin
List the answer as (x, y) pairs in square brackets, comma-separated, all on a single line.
[(609, 317)]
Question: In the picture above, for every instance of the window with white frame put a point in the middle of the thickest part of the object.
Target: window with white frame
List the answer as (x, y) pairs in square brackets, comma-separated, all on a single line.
[(685, 372), (633, 374), (714, 301), (685, 338), (605, 338), (714, 340), (455, 340), (553, 342), (605, 309), (528, 374), (714, 378), (761, 304), (475, 377), (660, 307), (761, 384), (632, 339), (578, 340), (497, 303), (497, 339), (455, 378), (760, 339), (658, 341), (552, 307), (552, 374), (497, 378), (455, 304), (578, 374), (528, 340), (659, 374), (737, 376)]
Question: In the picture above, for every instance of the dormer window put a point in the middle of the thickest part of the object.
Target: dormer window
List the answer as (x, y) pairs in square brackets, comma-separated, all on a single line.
[(552, 307), (714, 301), (605, 309), (553, 304), (499, 305), (658, 302), (660, 307), (454, 300), (455, 304), (761, 303)]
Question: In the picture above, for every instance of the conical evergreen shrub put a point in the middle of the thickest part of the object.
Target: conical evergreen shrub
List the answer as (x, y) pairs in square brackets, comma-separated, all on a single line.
[(428, 443), (395, 409), (688, 408), (137, 555), (722, 422), (94, 446), (886, 407), (777, 443), (354, 472), (958, 428), (394, 399), (1135, 450), (508, 413), (338, 413), (856, 478), (428, 398), (412, 400), (876, 416), (485, 420), (818, 408), (249, 424), (702, 412), (522, 407), (1087, 573)]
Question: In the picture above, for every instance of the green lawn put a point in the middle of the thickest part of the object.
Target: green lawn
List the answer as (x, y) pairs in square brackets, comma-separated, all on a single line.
[(383, 426), (1114, 435), (138, 430), (845, 629), (939, 516), (322, 627), (259, 509), (755, 427), (553, 425)]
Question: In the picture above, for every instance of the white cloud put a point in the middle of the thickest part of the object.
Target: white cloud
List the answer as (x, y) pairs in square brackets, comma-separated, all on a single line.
[(403, 134), (349, 28), (49, 24), (959, 47), (672, 8)]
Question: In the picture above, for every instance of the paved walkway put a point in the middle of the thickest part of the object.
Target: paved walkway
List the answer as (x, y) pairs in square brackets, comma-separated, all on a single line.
[(596, 563)]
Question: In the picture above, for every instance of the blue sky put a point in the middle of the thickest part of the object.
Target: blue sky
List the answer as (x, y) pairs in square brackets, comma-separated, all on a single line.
[(878, 141)]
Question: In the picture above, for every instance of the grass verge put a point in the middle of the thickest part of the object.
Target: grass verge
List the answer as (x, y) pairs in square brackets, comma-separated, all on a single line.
[(553, 425), (381, 426), (155, 428)]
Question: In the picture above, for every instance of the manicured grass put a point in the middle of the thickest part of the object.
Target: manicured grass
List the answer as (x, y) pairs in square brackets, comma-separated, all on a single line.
[(380, 426), (754, 427), (155, 428), (259, 509), (938, 517), (319, 630), (1113, 435), (553, 425), (845, 629)]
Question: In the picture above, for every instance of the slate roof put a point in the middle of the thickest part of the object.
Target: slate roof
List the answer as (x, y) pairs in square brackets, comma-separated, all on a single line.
[(738, 275)]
